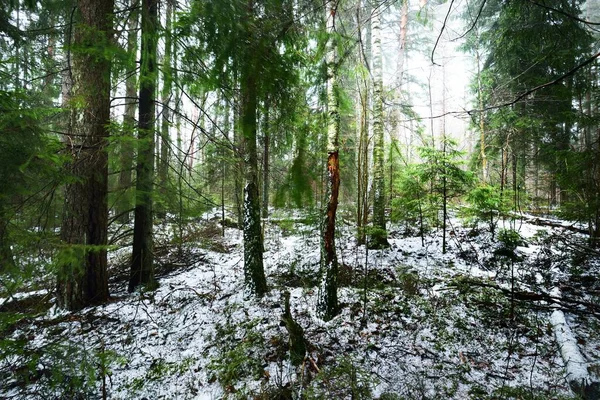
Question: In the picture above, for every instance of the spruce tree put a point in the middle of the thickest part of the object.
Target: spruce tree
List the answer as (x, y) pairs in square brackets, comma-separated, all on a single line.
[(82, 278), (142, 262)]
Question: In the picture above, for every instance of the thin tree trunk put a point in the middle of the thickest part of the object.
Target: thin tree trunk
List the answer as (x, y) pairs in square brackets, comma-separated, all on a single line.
[(165, 139), (142, 263), (82, 278), (238, 188), (266, 155), (362, 162), (379, 235), (482, 155), (124, 204), (327, 302)]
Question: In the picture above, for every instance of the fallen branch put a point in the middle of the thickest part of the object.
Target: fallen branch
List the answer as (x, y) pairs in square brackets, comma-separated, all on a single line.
[(553, 224), (461, 281)]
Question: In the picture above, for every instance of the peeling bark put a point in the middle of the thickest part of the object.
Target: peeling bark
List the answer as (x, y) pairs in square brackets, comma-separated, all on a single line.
[(327, 302)]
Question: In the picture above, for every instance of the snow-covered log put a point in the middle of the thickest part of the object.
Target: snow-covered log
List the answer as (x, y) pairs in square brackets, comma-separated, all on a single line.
[(578, 376)]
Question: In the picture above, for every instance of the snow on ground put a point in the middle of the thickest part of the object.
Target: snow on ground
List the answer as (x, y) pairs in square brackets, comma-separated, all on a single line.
[(415, 323)]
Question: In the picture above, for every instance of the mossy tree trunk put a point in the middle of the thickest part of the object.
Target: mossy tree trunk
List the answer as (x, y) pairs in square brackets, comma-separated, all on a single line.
[(82, 278)]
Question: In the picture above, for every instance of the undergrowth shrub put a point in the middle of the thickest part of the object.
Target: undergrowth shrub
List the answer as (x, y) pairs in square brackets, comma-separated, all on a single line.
[(345, 379)]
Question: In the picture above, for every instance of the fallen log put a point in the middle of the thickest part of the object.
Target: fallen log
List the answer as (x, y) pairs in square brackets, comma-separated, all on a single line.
[(577, 375)]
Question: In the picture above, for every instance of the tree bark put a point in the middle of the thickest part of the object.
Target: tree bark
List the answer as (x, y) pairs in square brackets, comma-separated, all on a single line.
[(266, 155), (327, 302), (165, 140), (379, 235), (124, 204), (362, 161), (142, 263), (254, 273), (238, 141), (82, 278)]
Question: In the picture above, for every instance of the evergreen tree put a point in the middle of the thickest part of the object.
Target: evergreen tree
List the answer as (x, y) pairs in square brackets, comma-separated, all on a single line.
[(529, 46), (142, 263), (126, 152), (167, 82), (82, 279)]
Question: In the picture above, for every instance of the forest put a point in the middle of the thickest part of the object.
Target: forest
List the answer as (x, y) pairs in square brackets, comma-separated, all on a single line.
[(299, 199)]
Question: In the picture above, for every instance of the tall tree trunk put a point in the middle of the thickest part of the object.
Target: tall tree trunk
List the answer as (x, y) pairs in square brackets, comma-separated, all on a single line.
[(362, 159), (482, 155), (165, 140), (254, 273), (82, 278), (238, 188), (123, 204), (327, 302), (379, 235), (225, 157), (266, 155), (142, 263)]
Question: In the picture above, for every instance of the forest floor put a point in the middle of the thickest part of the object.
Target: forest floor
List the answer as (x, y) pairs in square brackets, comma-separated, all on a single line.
[(473, 323)]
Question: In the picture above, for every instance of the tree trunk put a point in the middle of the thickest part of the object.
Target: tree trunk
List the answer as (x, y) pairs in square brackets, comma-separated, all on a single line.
[(142, 263), (265, 170), (254, 273), (82, 278), (239, 164), (123, 204), (327, 302), (362, 159), (379, 234), (482, 154), (165, 139)]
